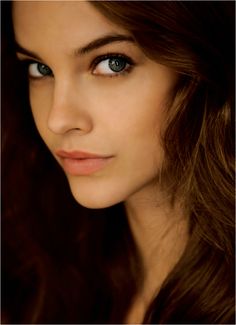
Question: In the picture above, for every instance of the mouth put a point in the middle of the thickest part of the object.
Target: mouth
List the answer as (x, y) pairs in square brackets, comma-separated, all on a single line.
[(80, 163)]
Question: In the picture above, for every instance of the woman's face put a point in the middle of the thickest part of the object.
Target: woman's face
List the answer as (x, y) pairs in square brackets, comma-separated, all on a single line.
[(97, 100)]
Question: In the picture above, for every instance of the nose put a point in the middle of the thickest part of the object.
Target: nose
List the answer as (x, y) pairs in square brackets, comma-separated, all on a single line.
[(68, 109)]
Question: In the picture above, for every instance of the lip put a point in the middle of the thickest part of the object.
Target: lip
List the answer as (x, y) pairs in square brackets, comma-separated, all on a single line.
[(82, 163)]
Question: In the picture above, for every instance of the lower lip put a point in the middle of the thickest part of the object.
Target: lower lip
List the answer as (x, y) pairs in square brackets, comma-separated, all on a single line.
[(84, 167)]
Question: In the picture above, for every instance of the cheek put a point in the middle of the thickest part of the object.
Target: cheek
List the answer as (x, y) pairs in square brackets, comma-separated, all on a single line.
[(136, 106), (137, 116), (135, 132), (138, 124), (40, 102)]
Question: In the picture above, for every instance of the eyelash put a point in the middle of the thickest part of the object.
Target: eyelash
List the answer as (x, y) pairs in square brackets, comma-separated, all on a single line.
[(25, 64), (128, 61), (108, 56)]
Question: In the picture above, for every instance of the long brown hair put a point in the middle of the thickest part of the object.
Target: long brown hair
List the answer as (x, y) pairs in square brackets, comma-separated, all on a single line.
[(88, 269)]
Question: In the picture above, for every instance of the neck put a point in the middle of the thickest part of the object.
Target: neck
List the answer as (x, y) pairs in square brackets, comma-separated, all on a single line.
[(161, 233)]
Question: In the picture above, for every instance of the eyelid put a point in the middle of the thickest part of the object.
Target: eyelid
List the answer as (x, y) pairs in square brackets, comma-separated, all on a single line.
[(110, 55), (26, 62), (106, 56), (22, 58)]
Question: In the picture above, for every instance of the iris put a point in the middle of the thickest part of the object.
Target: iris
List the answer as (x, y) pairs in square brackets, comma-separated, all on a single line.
[(44, 69), (117, 64)]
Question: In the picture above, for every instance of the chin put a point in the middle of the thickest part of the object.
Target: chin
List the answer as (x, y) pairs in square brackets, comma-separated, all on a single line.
[(95, 200), (94, 203)]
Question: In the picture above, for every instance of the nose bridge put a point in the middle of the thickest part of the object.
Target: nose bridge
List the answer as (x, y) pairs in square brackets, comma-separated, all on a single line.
[(68, 108)]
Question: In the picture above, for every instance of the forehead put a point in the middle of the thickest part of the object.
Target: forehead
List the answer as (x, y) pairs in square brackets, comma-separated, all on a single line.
[(47, 22)]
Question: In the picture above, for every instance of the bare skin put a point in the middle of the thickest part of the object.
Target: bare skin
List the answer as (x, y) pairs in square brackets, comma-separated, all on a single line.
[(88, 107), (161, 233)]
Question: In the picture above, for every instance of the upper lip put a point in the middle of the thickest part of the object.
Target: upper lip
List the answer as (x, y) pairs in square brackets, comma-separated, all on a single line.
[(78, 155)]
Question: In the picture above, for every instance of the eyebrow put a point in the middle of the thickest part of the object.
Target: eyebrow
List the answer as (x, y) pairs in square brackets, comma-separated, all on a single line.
[(93, 45), (102, 41)]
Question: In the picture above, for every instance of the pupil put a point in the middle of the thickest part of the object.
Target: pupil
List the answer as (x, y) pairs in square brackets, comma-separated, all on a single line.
[(44, 70), (117, 64)]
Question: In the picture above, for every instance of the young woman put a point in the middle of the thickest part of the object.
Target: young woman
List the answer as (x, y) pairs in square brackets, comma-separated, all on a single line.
[(118, 162)]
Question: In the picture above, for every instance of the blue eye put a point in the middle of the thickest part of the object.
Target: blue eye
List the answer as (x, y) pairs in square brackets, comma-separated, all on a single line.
[(39, 70), (117, 64), (112, 65)]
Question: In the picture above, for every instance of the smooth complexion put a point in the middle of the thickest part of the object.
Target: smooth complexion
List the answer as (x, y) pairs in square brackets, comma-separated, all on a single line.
[(94, 92), (93, 109)]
